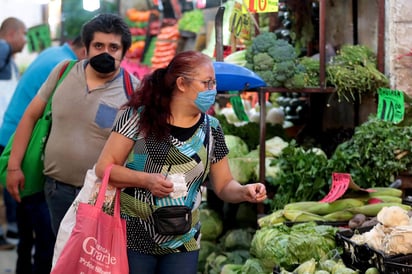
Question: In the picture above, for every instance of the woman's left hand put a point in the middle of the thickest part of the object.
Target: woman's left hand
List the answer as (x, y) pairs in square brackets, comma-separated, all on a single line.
[(256, 193)]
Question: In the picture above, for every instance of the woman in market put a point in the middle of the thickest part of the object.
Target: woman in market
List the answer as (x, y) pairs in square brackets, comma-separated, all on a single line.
[(173, 146)]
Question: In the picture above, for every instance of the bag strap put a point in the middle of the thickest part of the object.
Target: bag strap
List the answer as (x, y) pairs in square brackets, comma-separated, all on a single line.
[(127, 83), (102, 193), (62, 74)]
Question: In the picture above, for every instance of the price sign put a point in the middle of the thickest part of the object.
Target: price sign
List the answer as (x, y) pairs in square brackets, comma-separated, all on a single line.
[(239, 23), (340, 183), (391, 105), (260, 6)]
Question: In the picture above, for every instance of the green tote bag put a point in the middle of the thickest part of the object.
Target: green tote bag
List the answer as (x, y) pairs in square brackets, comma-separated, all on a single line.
[(32, 164)]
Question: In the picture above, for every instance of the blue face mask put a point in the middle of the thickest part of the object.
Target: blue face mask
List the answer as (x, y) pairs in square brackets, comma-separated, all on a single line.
[(205, 99)]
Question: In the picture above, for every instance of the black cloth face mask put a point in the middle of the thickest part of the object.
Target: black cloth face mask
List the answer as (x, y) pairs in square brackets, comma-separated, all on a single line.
[(103, 63)]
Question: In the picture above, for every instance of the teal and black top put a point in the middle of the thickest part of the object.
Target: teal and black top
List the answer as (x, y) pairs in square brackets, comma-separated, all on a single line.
[(186, 153)]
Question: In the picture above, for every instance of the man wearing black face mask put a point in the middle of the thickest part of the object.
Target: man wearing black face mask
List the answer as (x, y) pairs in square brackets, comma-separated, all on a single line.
[(84, 108), (103, 63)]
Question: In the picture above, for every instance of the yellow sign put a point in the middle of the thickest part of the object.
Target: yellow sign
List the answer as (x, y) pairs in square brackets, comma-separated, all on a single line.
[(239, 23), (260, 6)]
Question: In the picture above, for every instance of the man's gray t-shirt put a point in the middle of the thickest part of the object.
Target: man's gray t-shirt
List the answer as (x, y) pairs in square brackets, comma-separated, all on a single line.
[(82, 122)]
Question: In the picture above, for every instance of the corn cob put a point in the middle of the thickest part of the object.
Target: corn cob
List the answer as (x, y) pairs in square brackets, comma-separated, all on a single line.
[(301, 216), (388, 199), (373, 209), (342, 204), (309, 206), (385, 191), (343, 215), (272, 219)]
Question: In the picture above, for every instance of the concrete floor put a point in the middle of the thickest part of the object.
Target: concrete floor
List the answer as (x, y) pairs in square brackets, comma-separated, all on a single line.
[(8, 261)]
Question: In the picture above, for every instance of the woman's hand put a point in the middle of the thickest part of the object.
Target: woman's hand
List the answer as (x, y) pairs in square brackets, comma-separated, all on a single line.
[(15, 182), (159, 186), (256, 193)]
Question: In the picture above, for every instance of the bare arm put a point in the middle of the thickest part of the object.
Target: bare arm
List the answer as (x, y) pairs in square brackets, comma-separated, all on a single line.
[(116, 151), (229, 190), (15, 177)]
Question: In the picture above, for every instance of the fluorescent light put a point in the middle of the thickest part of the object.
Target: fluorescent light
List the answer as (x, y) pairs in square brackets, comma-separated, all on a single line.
[(91, 5)]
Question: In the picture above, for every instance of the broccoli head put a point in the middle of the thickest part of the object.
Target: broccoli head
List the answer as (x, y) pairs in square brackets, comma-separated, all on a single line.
[(263, 61), (249, 55), (282, 51), (263, 41), (298, 80), (284, 70), (269, 78), (274, 60)]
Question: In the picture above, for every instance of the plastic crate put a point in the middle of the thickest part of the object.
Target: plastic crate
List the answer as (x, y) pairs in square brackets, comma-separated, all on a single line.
[(398, 264), (362, 257), (354, 255)]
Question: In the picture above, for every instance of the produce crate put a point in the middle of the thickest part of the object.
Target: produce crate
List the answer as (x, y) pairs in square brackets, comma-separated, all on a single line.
[(363, 257), (354, 255), (407, 200), (400, 264)]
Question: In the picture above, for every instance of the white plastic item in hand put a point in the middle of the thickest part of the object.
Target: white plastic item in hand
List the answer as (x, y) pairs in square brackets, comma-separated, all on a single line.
[(179, 185)]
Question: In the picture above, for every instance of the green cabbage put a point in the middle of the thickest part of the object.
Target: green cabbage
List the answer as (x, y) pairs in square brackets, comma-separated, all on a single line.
[(237, 239), (237, 147), (308, 267), (211, 224), (231, 269), (206, 248), (253, 266), (243, 168), (274, 146), (290, 246)]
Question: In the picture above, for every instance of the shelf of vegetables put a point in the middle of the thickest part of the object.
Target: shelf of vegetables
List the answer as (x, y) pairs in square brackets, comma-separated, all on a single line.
[(276, 62), (297, 241)]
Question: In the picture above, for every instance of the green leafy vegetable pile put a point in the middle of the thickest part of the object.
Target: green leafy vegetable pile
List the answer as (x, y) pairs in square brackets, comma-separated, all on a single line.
[(312, 69), (192, 21), (288, 247), (376, 153), (302, 176), (353, 72)]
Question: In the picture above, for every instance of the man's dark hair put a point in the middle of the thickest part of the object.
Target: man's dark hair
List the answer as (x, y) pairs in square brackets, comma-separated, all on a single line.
[(107, 23)]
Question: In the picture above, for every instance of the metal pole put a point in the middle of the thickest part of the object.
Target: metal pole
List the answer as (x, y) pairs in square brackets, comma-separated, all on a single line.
[(322, 43)]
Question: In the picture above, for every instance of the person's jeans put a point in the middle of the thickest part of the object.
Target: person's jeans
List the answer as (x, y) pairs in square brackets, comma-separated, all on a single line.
[(34, 228), (175, 263), (59, 197), (11, 206)]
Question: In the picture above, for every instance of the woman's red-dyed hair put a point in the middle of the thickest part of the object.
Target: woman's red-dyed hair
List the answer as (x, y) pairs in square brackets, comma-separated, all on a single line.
[(152, 97)]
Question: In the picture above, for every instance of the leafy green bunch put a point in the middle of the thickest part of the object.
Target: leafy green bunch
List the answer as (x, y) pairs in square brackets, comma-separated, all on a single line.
[(376, 153), (303, 176), (353, 72)]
